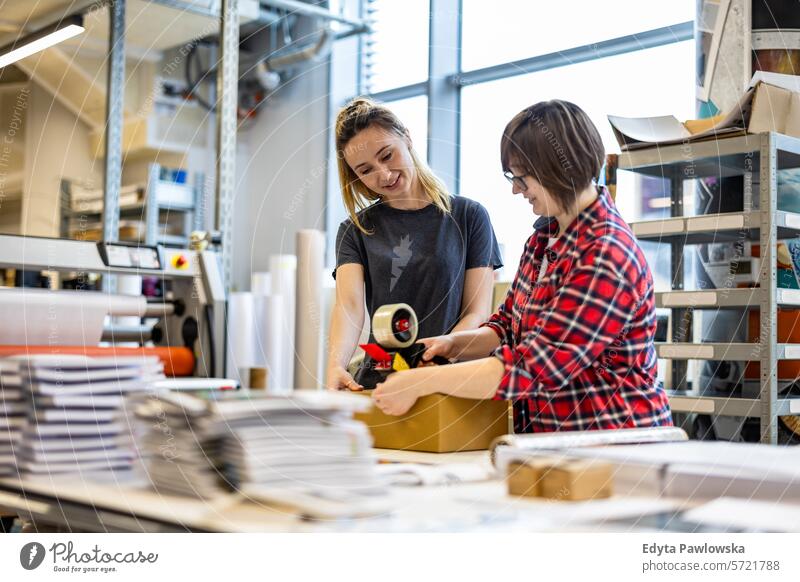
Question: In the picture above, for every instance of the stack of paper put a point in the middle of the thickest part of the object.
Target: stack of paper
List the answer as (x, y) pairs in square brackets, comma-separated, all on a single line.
[(12, 415), (91, 199), (245, 442), (300, 452), (180, 445), (74, 412)]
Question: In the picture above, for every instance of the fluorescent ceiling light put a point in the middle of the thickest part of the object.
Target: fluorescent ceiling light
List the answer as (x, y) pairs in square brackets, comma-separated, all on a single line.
[(40, 40)]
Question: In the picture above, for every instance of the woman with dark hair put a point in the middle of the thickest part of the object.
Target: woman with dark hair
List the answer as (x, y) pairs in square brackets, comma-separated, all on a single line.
[(572, 344), (407, 240)]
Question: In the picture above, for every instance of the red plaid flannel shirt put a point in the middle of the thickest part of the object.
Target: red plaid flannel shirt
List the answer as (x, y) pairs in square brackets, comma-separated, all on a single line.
[(578, 345)]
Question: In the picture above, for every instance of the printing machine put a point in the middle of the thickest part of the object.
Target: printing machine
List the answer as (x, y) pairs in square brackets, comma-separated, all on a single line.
[(190, 315)]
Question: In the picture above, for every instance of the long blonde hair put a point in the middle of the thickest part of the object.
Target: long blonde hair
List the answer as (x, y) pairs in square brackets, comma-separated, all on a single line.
[(355, 117)]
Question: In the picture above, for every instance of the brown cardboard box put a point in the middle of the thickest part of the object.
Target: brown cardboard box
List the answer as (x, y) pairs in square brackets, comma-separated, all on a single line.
[(576, 480), (525, 478), (439, 424), (771, 103), (775, 109), (560, 479)]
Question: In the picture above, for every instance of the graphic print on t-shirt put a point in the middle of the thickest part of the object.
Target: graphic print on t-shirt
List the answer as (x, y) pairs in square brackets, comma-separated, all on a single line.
[(402, 255)]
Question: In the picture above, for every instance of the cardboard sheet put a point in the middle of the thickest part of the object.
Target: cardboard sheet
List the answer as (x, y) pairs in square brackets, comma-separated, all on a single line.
[(771, 103)]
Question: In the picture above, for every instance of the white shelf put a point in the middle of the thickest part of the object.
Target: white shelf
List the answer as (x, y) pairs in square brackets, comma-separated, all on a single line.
[(728, 156), (726, 405), (711, 228), (724, 298), (742, 352)]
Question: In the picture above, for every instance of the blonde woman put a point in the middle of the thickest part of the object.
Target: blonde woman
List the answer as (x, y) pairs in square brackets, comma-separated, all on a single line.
[(407, 240)]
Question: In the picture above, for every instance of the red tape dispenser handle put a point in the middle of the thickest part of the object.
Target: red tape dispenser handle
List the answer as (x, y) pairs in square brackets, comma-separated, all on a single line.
[(377, 353)]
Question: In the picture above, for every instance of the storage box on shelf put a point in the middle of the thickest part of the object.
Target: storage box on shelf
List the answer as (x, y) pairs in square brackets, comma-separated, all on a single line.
[(759, 155)]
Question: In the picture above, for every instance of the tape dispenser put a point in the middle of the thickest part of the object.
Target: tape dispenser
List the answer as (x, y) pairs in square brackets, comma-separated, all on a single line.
[(396, 348)]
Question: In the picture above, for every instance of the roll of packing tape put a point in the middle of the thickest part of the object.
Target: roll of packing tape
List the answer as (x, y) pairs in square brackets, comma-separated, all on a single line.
[(395, 326)]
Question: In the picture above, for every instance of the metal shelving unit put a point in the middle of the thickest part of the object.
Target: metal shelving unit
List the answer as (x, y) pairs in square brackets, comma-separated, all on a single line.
[(153, 211), (761, 154), (226, 91)]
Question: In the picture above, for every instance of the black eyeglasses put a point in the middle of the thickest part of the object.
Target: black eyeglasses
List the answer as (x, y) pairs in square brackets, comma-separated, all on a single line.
[(518, 181)]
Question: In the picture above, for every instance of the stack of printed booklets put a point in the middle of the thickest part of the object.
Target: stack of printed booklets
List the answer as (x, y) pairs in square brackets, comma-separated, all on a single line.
[(70, 411), (238, 441), (12, 415)]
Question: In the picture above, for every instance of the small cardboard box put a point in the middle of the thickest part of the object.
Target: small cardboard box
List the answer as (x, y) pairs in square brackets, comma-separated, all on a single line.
[(525, 477), (439, 424), (578, 480), (560, 479)]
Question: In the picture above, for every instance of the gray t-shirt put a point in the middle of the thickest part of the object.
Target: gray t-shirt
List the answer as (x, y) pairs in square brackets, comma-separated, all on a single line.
[(420, 257)]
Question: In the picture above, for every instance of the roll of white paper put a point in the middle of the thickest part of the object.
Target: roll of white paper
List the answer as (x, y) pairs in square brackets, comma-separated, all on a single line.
[(261, 283), (241, 331), (328, 302), (283, 275), (68, 317), (308, 314), (128, 285), (271, 344)]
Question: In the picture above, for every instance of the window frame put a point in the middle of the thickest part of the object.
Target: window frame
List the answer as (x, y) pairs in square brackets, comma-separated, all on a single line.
[(446, 79)]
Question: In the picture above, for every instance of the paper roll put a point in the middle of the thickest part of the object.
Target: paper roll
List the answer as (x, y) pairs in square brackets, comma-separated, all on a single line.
[(283, 275), (128, 285), (48, 317), (241, 331), (261, 283), (308, 314), (270, 343), (328, 302)]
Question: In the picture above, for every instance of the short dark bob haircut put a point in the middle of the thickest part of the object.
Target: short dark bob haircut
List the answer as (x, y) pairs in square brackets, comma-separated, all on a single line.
[(556, 143)]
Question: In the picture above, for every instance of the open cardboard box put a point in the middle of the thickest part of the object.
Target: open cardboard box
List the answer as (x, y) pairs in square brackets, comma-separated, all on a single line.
[(771, 103), (439, 424)]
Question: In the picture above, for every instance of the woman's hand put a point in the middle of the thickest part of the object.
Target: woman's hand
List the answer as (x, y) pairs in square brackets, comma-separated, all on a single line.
[(340, 379), (476, 379), (398, 393), (440, 345)]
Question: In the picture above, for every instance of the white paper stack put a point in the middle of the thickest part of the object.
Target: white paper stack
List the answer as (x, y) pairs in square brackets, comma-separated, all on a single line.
[(91, 199), (246, 442), (75, 412), (180, 445), (12, 415), (300, 453)]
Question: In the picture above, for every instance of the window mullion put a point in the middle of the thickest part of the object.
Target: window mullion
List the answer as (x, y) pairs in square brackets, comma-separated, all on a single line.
[(443, 96)]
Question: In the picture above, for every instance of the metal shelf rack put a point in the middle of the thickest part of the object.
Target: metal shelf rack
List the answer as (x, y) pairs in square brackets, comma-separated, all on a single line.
[(761, 154), (152, 211)]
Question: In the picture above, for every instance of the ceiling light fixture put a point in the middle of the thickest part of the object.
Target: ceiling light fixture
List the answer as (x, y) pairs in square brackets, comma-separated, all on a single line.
[(41, 39)]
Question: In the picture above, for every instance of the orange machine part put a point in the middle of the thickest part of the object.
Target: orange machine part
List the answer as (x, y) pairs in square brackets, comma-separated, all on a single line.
[(177, 361), (788, 332)]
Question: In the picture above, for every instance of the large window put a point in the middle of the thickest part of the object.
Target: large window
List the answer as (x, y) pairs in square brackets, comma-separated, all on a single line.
[(662, 84), (625, 57), (413, 112), (396, 53), (510, 30)]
